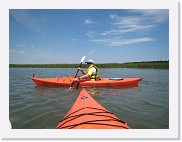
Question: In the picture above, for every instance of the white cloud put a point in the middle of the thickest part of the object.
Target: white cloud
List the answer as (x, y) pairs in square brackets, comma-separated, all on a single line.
[(20, 45), (142, 16), (120, 42), (86, 21), (91, 52), (140, 23), (25, 46), (127, 29), (91, 33), (154, 15), (15, 51), (21, 52), (73, 39), (89, 22)]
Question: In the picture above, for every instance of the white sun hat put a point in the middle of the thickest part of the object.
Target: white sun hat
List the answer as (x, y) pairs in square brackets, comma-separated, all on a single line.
[(90, 61)]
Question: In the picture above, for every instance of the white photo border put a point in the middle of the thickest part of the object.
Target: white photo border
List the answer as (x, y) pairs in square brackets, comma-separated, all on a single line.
[(171, 133)]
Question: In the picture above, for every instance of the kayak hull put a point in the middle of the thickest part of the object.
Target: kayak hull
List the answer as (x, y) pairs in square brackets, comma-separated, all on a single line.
[(86, 113), (103, 82)]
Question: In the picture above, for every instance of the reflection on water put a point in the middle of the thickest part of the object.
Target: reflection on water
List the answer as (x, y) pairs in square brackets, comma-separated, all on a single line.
[(93, 91)]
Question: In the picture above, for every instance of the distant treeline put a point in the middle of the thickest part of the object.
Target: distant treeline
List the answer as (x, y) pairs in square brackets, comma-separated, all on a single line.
[(144, 64)]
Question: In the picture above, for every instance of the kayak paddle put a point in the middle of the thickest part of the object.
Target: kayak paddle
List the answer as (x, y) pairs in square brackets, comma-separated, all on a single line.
[(83, 58)]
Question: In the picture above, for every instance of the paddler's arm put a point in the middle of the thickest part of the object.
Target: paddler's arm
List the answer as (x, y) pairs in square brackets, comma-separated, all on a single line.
[(81, 77), (83, 72)]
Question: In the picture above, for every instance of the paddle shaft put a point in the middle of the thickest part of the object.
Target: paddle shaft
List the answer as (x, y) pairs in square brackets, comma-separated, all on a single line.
[(76, 75), (78, 69)]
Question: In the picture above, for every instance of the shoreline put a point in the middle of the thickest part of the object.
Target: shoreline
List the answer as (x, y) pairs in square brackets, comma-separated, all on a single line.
[(141, 65)]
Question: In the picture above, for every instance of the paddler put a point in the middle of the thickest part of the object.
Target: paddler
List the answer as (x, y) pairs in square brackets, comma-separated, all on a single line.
[(91, 74)]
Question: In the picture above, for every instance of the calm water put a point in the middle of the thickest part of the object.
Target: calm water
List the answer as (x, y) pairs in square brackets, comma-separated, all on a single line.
[(145, 106)]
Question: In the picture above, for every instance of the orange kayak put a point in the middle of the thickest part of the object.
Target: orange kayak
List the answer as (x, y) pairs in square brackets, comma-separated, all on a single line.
[(86, 113), (103, 82)]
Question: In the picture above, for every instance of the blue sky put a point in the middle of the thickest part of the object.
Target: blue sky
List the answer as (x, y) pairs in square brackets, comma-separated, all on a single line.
[(104, 35)]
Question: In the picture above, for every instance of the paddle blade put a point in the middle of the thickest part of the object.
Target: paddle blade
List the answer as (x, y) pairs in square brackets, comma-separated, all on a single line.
[(83, 58)]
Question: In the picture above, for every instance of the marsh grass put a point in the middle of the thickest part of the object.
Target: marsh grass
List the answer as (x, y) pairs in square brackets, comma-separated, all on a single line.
[(143, 65)]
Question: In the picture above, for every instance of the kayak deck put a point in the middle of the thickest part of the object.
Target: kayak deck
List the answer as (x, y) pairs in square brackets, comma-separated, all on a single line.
[(86, 113), (103, 82)]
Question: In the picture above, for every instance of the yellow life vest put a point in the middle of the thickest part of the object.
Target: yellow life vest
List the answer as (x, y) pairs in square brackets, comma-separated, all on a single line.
[(94, 76)]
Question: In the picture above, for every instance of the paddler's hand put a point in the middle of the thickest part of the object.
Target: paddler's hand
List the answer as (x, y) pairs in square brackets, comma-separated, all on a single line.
[(80, 69), (76, 79)]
